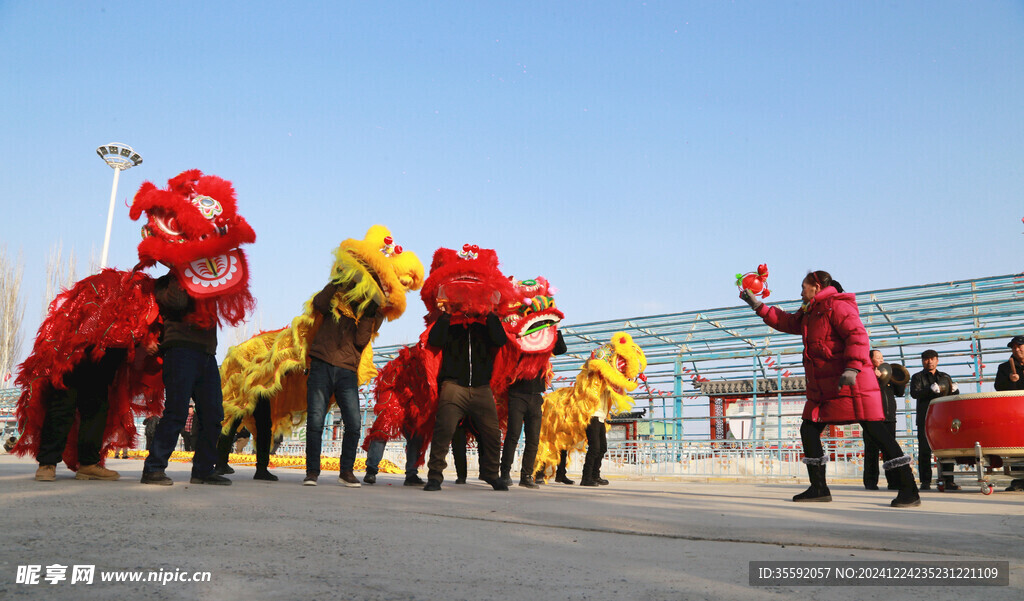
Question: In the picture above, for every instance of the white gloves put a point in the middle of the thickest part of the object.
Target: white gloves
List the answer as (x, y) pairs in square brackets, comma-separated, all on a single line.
[(954, 388), (935, 388)]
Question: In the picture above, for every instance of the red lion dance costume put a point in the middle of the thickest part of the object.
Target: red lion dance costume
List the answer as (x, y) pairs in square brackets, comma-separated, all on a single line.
[(193, 228), (472, 285)]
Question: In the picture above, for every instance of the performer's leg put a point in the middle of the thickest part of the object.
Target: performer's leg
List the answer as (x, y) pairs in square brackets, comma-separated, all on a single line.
[(531, 424), (560, 473), (413, 444), (263, 436), (180, 373), (815, 459), (603, 436), (459, 444), (60, 416), (319, 384), (870, 463), (517, 407), (924, 452), (209, 402), (224, 447), (373, 456), (892, 480), (451, 408), (346, 393), (488, 436), (896, 463), (93, 407), (593, 451)]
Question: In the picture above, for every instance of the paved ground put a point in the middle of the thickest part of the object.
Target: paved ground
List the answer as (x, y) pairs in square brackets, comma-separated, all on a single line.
[(635, 539)]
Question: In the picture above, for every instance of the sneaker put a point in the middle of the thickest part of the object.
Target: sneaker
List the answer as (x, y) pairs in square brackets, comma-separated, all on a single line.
[(871, 487), (497, 483), (211, 479), (415, 480), (224, 470), (460, 480), (95, 472), (264, 474), (349, 479), (1016, 485), (926, 486), (46, 473), (432, 485), (159, 478), (952, 485), (310, 480), (370, 478)]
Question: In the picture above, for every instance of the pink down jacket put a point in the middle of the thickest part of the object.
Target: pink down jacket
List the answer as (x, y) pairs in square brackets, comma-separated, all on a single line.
[(834, 339)]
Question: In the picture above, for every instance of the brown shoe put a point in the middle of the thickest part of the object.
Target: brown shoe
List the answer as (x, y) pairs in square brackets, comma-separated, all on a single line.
[(46, 473), (95, 472), (348, 479)]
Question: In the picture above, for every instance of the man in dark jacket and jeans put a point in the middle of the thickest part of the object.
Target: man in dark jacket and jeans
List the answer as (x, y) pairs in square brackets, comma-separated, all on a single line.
[(190, 373), (926, 385), (464, 389), (334, 362)]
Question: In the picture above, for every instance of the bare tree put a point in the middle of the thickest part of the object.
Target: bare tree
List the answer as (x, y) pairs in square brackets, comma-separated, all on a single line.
[(12, 311), (59, 275)]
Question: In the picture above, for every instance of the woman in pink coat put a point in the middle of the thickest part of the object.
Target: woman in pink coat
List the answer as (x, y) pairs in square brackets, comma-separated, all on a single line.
[(841, 383)]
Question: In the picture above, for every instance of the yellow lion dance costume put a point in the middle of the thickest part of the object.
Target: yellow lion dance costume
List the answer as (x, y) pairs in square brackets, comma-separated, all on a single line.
[(602, 384), (272, 365)]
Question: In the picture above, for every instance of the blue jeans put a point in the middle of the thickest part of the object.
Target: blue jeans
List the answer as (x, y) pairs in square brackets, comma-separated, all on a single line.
[(325, 380), (189, 375), (376, 452)]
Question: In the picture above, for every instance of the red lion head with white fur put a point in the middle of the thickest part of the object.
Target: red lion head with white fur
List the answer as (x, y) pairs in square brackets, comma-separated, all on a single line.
[(194, 228), (468, 281)]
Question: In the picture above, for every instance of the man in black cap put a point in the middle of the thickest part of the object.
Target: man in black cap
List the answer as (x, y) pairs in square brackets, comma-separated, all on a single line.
[(1008, 378), (925, 385)]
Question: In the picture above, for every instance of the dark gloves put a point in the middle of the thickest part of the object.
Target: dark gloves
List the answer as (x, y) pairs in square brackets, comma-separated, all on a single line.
[(749, 298), (849, 377)]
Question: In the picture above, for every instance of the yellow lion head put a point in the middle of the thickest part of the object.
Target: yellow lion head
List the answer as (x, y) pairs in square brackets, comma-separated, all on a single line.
[(376, 270)]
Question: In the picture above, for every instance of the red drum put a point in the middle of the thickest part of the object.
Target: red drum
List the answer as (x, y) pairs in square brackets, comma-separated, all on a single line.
[(994, 420)]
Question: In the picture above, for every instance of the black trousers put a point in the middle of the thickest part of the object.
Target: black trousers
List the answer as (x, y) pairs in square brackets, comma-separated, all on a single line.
[(871, 453), (924, 451), (884, 439), (264, 436), (597, 446), (88, 386), (454, 403), (524, 410)]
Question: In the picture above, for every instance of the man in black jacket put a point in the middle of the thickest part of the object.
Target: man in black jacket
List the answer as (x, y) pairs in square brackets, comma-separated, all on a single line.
[(1008, 378), (871, 451), (464, 389), (525, 401), (925, 385)]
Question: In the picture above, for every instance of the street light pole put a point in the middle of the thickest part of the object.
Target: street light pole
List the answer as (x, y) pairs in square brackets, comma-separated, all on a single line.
[(119, 157)]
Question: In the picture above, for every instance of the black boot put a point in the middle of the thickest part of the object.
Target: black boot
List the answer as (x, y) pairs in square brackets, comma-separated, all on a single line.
[(818, 492), (527, 481), (223, 450), (588, 477), (506, 476), (263, 473), (899, 469), (560, 471), (597, 474)]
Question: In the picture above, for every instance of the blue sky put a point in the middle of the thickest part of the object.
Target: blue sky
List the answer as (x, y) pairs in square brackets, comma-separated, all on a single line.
[(638, 154)]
